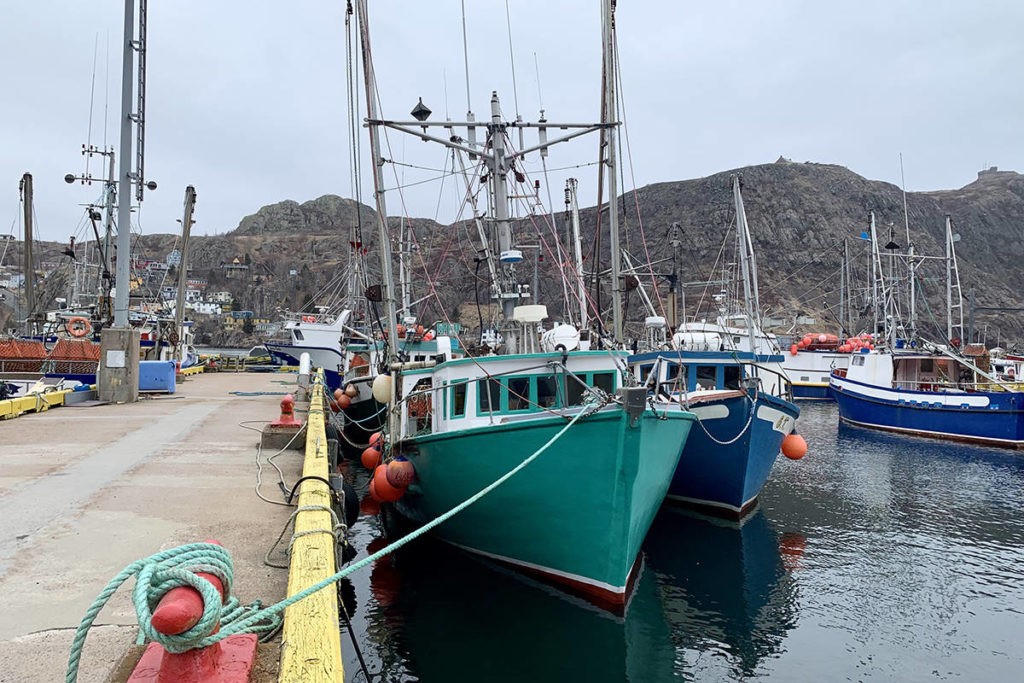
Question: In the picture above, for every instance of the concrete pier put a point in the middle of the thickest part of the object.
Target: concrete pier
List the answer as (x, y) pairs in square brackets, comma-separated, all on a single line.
[(84, 491)]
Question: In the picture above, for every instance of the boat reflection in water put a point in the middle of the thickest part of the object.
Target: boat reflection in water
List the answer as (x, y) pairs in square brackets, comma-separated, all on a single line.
[(440, 614), (708, 586), (726, 587)]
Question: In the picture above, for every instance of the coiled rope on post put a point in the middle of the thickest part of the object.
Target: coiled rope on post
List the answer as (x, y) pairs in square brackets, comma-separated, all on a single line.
[(216, 560), (158, 574)]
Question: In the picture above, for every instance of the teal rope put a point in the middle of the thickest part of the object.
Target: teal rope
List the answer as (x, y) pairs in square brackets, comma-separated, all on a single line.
[(160, 572), (155, 576)]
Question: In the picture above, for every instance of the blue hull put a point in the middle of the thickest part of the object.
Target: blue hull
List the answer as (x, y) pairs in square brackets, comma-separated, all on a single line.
[(1000, 423), (725, 473), (812, 392)]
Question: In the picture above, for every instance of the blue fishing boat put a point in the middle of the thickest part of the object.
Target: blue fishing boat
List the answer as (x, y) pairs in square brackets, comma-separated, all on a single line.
[(730, 375), (914, 386), (730, 452)]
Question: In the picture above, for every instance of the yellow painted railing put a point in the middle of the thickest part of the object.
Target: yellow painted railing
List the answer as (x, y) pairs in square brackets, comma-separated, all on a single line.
[(311, 640), (34, 403)]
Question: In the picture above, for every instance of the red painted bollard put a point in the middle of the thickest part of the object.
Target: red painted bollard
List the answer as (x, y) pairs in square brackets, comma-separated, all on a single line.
[(287, 418), (228, 661)]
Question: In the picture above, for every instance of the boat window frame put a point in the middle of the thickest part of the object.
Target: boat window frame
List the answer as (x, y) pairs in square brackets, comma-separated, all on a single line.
[(459, 387)]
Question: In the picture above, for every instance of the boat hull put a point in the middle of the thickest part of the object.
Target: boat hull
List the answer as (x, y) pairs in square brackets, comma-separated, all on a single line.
[(576, 516), (329, 360), (728, 457), (994, 418), (811, 391)]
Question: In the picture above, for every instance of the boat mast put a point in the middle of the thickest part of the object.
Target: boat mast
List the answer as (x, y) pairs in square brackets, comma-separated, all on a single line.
[(572, 208), (874, 274), (610, 115), (746, 256), (179, 306), (383, 236), (954, 303)]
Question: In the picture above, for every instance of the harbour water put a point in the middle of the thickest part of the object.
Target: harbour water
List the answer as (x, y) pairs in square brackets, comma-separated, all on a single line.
[(877, 557)]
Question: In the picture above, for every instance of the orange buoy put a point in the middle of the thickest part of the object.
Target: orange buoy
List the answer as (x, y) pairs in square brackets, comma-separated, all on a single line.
[(334, 406), (400, 472), (377, 441), (419, 330), (386, 492), (794, 446), (337, 394), (370, 458), (400, 329), (428, 336), (802, 344), (793, 349), (344, 402)]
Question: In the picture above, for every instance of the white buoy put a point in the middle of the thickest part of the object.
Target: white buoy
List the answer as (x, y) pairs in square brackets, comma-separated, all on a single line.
[(382, 388)]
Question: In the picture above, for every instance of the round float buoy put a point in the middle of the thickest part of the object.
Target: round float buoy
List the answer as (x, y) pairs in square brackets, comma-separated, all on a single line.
[(793, 349), (428, 335), (386, 492), (344, 402), (351, 391), (794, 446), (333, 405), (373, 494), (370, 458), (400, 329), (377, 441), (400, 472), (382, 388), (337, 394)]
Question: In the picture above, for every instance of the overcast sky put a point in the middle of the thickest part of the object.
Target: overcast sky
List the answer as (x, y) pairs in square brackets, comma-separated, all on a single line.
[(246, 98)]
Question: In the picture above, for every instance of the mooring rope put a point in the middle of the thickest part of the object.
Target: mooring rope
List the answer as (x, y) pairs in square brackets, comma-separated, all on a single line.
[(168, 569)]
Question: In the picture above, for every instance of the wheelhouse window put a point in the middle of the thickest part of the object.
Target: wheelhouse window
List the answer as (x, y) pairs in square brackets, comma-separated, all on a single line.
[(518, 393), (732, 377), (604, 381), (459, 399), (547, 391), (488, 392), (707, 376)]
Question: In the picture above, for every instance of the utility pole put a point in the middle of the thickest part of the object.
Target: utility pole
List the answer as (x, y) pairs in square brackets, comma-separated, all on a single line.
[(118, 380), (179, 304), (28, 264)]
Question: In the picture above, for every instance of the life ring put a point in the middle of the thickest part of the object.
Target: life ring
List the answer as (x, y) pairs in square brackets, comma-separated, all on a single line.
[(78, 326)]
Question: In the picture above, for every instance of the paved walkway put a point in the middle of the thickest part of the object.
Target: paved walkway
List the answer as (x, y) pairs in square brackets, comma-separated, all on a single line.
[(85, 491)]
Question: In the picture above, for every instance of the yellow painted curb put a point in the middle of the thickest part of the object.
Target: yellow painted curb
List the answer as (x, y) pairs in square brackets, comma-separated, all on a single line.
[(311, 639)]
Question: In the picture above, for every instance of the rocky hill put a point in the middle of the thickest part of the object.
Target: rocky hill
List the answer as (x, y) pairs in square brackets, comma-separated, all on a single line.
[(800, 214)]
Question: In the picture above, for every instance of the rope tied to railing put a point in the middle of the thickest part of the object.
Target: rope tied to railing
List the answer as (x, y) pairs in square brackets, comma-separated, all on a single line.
[(155, 579)]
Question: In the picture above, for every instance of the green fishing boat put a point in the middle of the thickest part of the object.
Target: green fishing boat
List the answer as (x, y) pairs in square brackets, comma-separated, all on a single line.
[(575, 516)]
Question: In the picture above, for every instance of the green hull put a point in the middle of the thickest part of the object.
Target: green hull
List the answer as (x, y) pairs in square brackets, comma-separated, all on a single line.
[(577, 514)]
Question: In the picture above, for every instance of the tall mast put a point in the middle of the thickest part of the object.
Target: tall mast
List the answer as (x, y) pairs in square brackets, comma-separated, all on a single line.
[(124, 206), (572, 204), (843, 308), (179, 306), (498, 172), (28, 266), (383, 236), (746, 255), (610, 115), (954, 302), (875, 275)]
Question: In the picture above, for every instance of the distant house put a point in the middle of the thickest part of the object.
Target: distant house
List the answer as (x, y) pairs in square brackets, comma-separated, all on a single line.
[(174, 258), (222, 297), (206, 308), (235, 268)]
